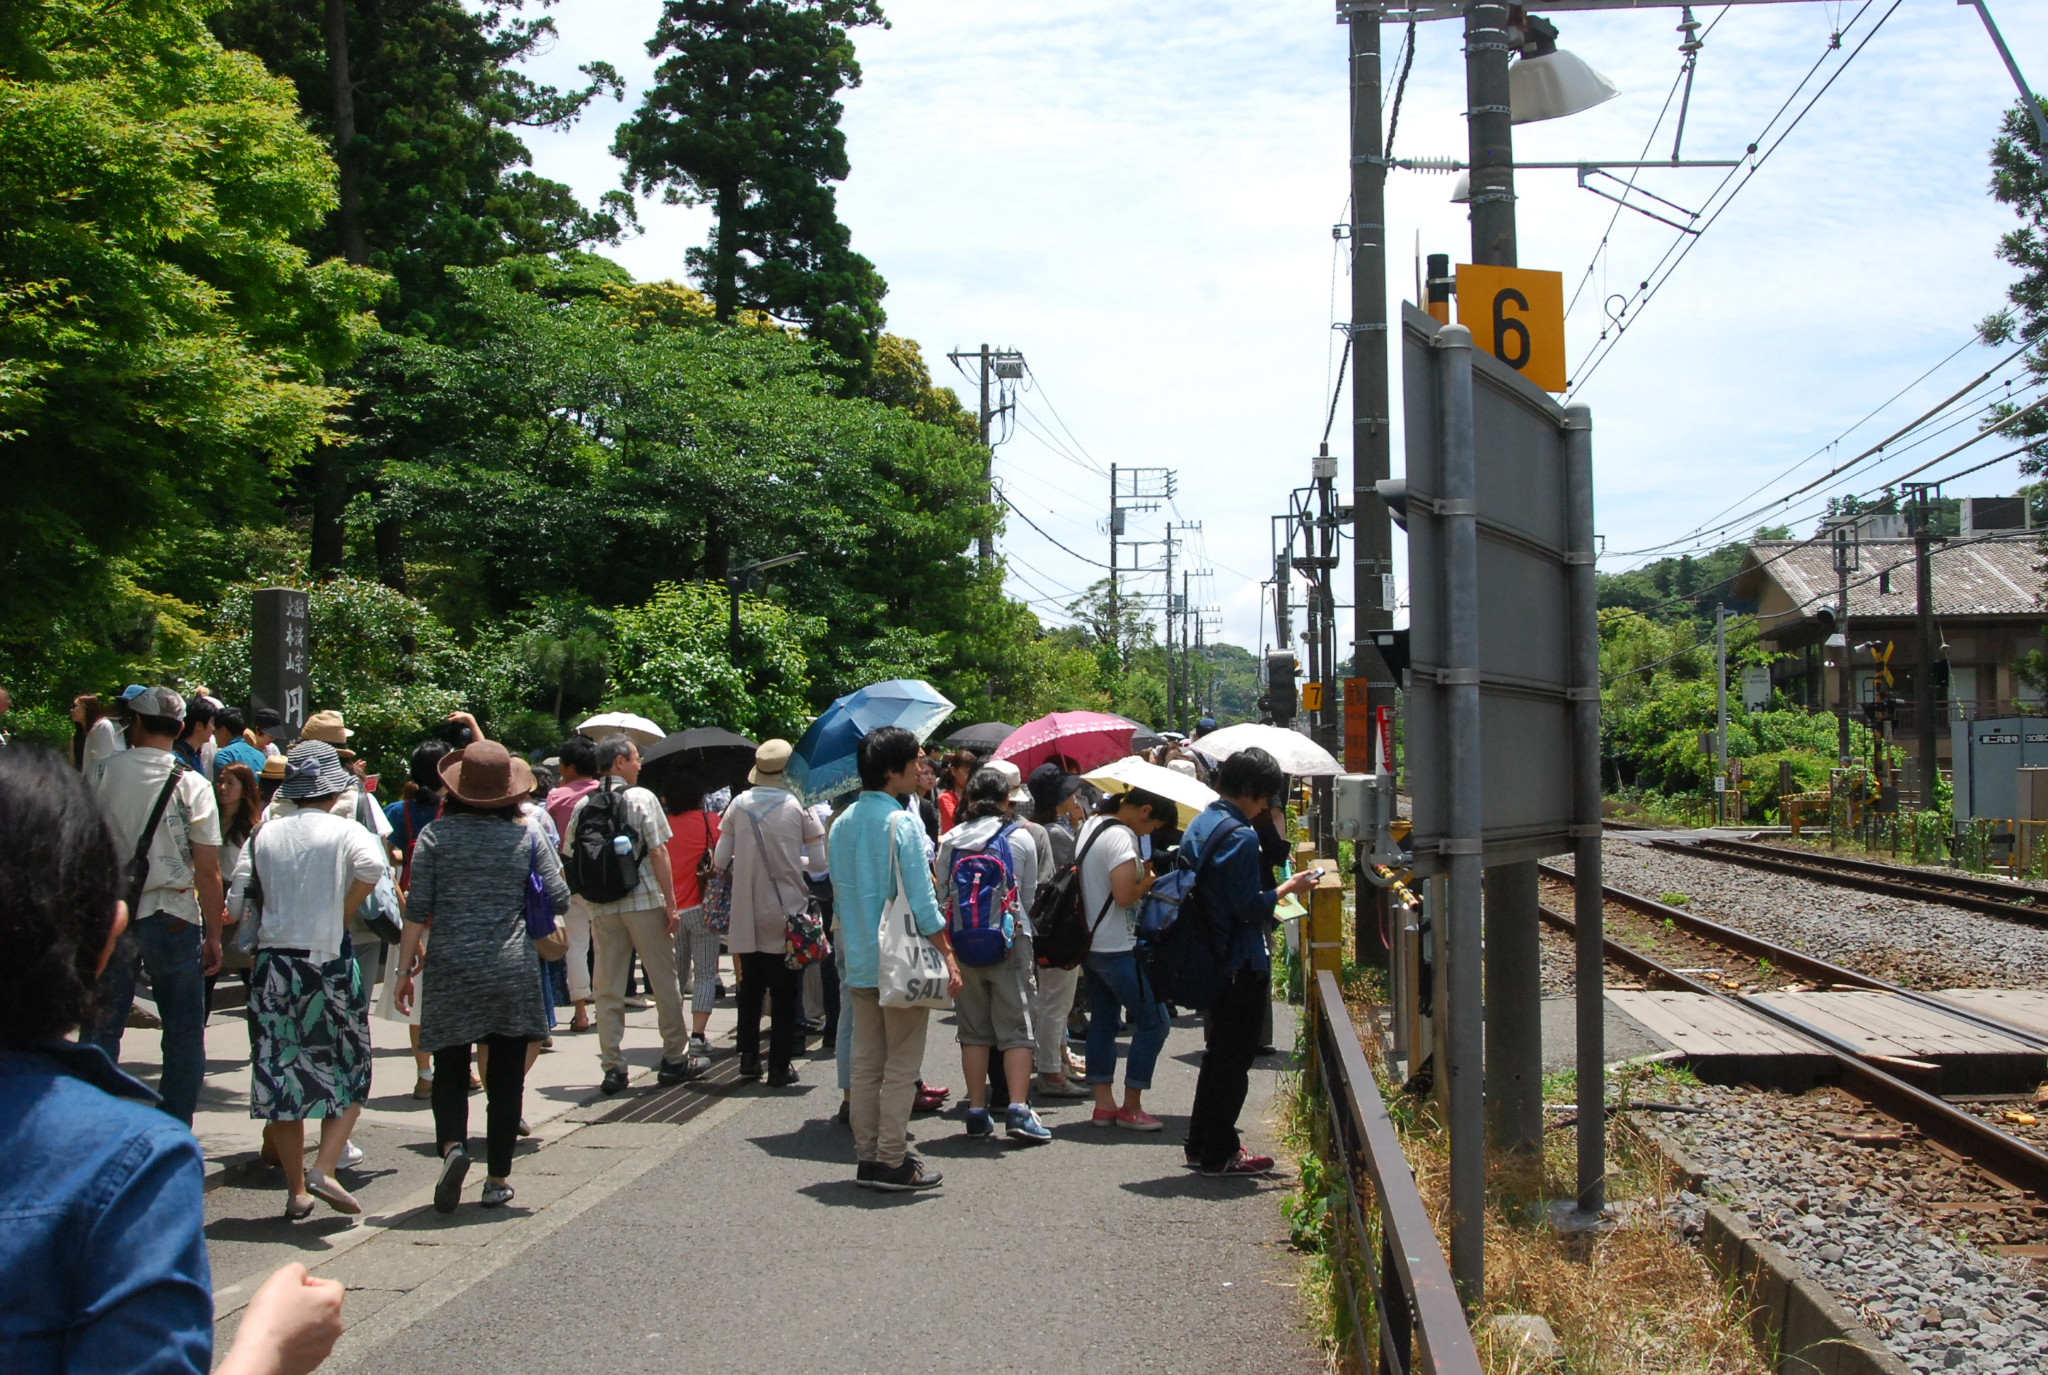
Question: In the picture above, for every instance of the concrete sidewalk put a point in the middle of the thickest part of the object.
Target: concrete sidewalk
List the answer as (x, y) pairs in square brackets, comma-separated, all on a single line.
[(721, 1229)]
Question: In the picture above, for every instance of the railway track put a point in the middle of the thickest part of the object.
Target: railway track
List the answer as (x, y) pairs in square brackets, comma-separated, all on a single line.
[(2005, 1157), (2015, 902)]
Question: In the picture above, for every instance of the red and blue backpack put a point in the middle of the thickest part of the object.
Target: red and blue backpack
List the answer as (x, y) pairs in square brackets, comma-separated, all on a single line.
[(984, 921)]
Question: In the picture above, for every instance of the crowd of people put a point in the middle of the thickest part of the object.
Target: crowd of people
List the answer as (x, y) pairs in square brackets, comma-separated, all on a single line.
[(187, 841)]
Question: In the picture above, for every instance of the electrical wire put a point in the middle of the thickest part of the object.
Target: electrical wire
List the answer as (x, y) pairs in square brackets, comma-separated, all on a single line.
[(1038, 384), (1661, 274), (1005, 498)]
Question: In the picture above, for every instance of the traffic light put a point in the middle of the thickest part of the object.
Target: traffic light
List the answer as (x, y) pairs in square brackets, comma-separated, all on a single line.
[(1280, 691)]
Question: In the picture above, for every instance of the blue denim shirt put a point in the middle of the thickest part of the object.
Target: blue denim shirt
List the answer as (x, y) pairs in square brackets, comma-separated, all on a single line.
[(102, 1261), (862, 883), (1231, 882)]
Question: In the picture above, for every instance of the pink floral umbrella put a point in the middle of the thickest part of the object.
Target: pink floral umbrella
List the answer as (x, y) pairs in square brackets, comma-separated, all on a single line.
[(1076, 740)]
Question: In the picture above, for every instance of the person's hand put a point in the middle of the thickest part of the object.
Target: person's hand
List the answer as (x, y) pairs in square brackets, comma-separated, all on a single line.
[(289, 1326), (953, 980), (1300, 883), (209, 954), (401, 996), (675, 920)]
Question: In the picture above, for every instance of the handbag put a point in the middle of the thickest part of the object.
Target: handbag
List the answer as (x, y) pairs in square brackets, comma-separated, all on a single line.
[(550, 937), (714, 888), (911, 969), (803, 932), (380, 911)]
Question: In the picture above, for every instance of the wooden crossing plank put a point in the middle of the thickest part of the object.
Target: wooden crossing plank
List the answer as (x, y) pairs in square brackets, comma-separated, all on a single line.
[(1701, 1025), (1969, 1058), (2020, 1007)]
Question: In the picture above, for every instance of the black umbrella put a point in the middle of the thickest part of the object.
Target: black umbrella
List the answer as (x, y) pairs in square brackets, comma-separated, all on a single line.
[(709, 754), (1143, 737), (982, 737)]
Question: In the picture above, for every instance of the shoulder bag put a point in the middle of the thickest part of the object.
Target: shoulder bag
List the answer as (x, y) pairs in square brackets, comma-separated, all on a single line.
[(912, 972), (714, 887), (550, 938), (138, 867)]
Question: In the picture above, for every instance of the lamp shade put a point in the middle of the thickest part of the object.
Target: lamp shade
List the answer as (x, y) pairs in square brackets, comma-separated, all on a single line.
[(1461, 189), (1554, 85)]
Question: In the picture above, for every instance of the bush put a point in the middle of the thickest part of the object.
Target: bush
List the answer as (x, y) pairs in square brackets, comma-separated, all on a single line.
[(674, 647)]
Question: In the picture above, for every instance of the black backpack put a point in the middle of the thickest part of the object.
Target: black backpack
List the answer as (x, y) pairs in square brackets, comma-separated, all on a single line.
[(1186, 957), (1061, 930), (594, 869)]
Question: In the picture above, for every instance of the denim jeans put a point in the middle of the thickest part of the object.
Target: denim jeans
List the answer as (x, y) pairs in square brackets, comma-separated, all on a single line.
[(1114, 982), (168, 949)]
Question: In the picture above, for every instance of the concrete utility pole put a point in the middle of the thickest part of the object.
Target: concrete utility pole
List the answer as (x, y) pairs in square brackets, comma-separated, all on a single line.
[(997, 367), (1920, 501), (1847, 558), (1720, 713), (1372, 530)]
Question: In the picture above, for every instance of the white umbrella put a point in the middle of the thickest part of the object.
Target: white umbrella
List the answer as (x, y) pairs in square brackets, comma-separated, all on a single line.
[(1297, 754), (1191, 795), (638, 729)]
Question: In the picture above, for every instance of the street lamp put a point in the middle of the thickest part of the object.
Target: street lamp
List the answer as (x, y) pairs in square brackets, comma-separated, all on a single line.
[(736, 583), (1549, 83)]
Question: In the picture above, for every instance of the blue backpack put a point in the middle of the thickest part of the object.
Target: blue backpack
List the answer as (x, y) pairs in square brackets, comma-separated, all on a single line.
[(984, 921), (1183, 946)]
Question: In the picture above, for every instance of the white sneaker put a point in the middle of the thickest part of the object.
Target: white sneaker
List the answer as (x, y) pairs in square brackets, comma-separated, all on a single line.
[(351, 1156)]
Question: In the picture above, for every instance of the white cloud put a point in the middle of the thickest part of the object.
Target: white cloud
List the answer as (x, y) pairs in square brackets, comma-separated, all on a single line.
[(1140, 198)]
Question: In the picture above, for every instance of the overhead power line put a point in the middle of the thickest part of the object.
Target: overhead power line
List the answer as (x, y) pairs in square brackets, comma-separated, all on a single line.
[(1048, 538)]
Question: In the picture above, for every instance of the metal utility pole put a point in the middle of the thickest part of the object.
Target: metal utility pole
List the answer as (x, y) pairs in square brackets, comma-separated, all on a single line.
[(1490, 133), (1847, 559), (1720, 712), (1172, 688), (1920, 502), (997, 367), (1372, 549)]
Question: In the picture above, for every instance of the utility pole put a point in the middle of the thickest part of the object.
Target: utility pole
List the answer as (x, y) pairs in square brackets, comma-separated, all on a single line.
[(1172, 691), (998, 366), (1372, 567), (1920, 502), (1847, 559), (1720, 712), (1116, 530)]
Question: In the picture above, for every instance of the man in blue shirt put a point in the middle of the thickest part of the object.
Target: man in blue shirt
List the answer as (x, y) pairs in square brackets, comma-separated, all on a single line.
[(1234, 897), (875, 845)]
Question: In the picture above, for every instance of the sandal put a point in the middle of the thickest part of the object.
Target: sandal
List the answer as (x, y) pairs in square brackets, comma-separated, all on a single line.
[(580, 1024), (332, 1194), (294, 1210)]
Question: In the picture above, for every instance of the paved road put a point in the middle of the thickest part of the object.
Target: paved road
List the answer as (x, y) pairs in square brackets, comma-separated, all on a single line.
[(736, 1240)]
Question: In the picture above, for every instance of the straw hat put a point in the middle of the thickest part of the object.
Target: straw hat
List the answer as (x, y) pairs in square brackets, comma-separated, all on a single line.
[(325, 725), (485, 774), (771, 764), (273, 769), (312, 770)]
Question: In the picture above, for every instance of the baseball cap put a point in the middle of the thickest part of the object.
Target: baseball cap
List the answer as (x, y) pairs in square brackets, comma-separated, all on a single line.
[(157, 701)]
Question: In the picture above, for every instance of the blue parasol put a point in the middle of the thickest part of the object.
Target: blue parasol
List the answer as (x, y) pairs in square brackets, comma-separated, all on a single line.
[(824, 765)]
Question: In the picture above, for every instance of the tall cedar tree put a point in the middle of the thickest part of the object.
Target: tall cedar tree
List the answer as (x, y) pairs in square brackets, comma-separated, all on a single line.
[(419, 100), (2019, 179), (742, 117)]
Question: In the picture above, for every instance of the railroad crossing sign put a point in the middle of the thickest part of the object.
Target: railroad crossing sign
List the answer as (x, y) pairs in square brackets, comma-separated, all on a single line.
[(1884, 664), (1517, 315)]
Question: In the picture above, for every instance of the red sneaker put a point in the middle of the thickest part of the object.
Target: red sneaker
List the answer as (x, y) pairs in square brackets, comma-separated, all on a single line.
[(1246, 1164), (930, 1099)]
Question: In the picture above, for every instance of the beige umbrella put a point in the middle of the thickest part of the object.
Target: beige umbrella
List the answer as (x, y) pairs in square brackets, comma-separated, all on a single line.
[(1191, 795)]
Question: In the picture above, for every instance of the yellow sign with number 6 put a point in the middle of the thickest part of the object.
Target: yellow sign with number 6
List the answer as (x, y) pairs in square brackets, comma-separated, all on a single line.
[(1517, 315)]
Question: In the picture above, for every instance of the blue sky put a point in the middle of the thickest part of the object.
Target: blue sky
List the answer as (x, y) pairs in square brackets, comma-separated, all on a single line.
[(1139, 197)]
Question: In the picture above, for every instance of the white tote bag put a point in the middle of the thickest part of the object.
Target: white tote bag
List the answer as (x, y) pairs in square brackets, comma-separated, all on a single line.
[(913, 972)]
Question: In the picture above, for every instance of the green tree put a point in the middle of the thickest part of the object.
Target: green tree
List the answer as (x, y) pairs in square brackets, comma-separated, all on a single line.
[(675, 647), (743, 116), (420, 102), (165, 336)]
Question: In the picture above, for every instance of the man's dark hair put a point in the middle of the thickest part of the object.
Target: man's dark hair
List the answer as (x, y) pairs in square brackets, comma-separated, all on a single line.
[(265, 720), (199, 715), (988, 794), (1162, 809), (579, 752), (1251, 772), (230, 721), (883, 751), (161, 725), (425, 769), (611, 750), (59, 880)]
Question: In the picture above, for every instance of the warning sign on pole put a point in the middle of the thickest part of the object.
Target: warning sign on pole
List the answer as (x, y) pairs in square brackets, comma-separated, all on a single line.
[(1517, 315), (1357, 727)]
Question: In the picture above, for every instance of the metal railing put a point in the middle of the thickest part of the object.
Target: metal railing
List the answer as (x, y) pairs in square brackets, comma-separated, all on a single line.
[(1421, 1325)]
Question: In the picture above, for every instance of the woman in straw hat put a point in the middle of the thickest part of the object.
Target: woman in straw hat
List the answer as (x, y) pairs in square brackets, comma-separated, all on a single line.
[(470, 872), (298, 878)]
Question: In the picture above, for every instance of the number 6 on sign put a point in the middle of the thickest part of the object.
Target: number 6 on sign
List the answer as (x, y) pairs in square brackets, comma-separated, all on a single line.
[(1517, 315)]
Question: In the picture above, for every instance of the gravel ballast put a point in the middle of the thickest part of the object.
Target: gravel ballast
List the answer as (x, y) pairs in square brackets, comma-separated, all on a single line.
[(1921, 945), (1869, 1224)]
